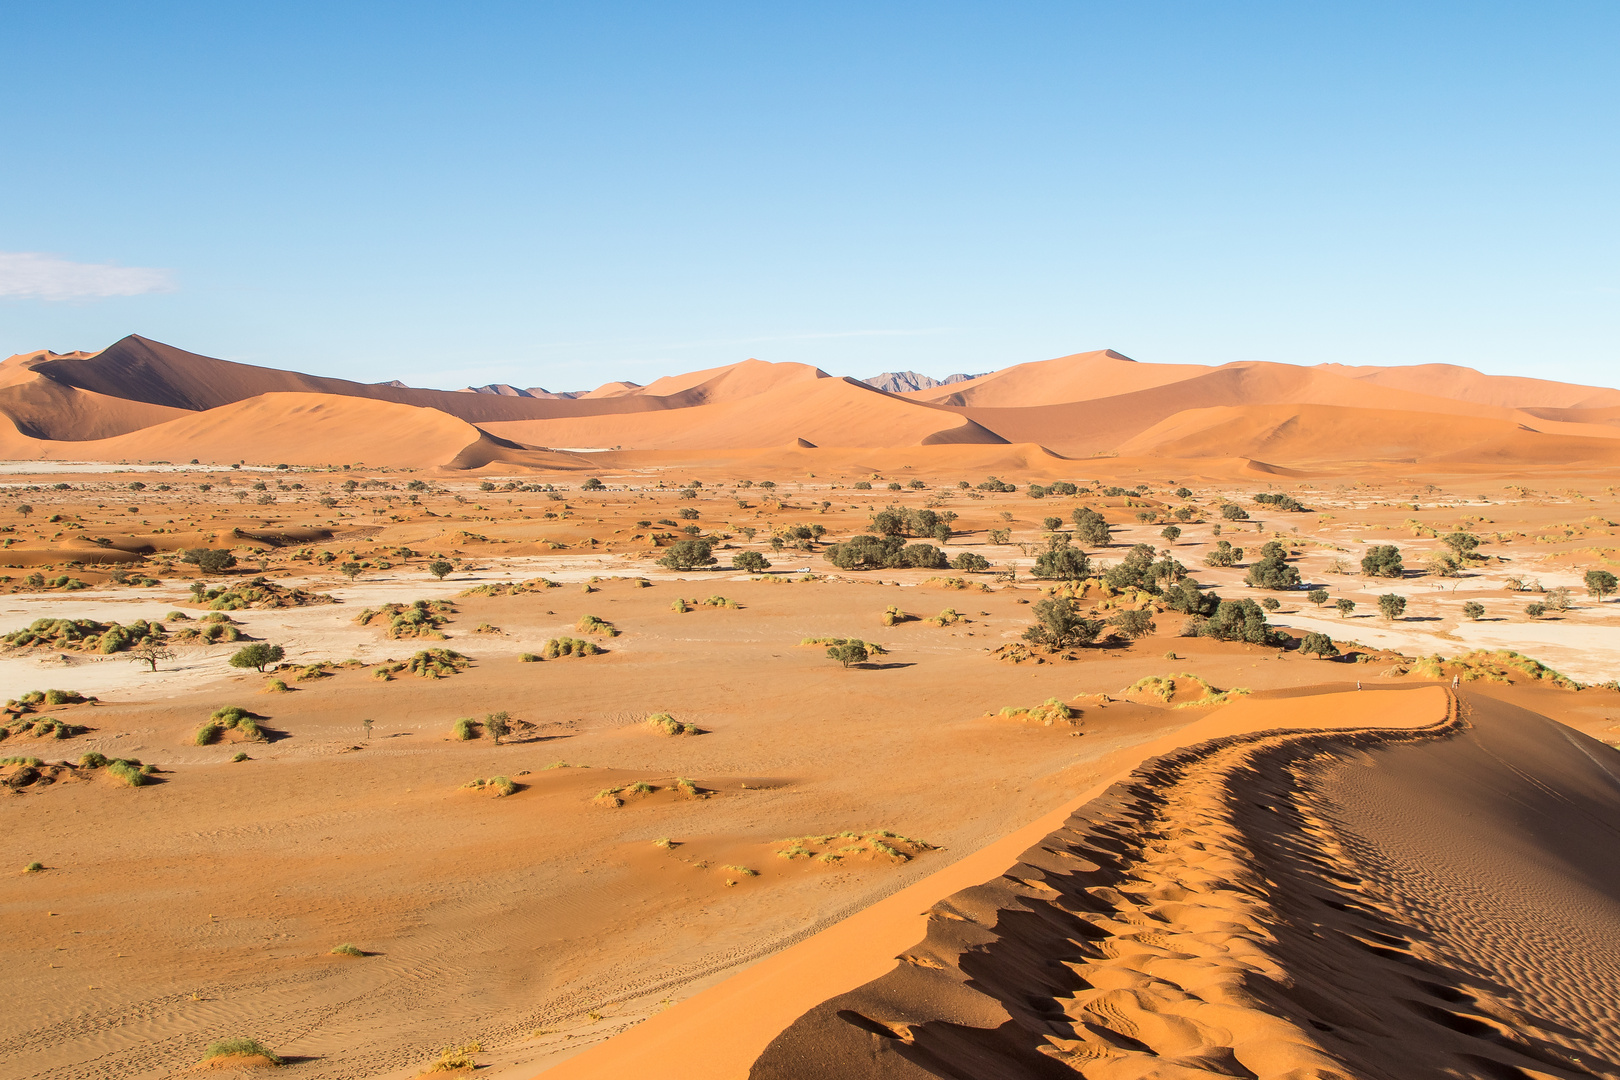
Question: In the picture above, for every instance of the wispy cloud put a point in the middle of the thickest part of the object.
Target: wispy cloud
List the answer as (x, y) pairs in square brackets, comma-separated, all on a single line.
[(32, 275)]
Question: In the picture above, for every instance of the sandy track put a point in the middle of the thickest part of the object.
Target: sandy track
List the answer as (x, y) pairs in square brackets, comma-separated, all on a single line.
[(1284, 904)]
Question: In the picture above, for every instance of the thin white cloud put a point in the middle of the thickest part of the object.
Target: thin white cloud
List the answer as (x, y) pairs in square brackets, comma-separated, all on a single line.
[(32, 275)]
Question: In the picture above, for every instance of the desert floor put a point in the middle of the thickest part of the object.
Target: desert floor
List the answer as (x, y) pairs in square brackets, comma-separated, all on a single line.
[(204, 904)]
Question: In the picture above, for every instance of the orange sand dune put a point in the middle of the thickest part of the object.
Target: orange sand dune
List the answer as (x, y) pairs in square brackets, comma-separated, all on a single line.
[(299, 429), (1466, 384), (1284, 417), (1322, 433), (1298, 904), (738, 1020), (830, 412), (729, 383), (1078, 377)]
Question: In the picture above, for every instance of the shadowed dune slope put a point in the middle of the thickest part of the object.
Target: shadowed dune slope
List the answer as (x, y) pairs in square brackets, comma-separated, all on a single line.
[(1439, 902)]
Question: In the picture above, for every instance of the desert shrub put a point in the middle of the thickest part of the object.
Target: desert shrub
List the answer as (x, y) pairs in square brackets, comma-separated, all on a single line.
[(948, 617), (93, 760), (240, 1047), (418, 619), (590, 624), (1382, 560), (528, 658), (1473, 611), (347, 949), (499, 786), (128, 770), (893, 615), (566, 646), (1535, 609), (239, 756), (436, 663), (511, 588), (1279, 500), (1224, 554), (1234, 512), (863, 485), (439, 568), (85, 635), (1049, 712), (665, 724), (466, 728), (209, 560)]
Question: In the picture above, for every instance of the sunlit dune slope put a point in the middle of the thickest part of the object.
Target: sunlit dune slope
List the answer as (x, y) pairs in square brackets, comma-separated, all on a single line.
[(1371, 904), (1078, 377), (1466, 384), (730, 383), (821, 412), (1324, 433), (299, 429)]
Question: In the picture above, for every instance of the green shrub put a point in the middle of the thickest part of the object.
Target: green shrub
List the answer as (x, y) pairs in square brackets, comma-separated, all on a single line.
[(129, 771), (466, 728), (528, 658), (347, 950), (590, 624), (665, 724), (207, 734), (240, 1047)]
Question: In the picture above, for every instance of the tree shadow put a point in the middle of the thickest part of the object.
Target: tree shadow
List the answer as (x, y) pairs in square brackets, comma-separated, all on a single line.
[(885, 667)]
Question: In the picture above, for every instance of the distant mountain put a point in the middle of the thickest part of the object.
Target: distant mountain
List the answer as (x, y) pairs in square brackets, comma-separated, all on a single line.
[(503, 389), (904, 382)]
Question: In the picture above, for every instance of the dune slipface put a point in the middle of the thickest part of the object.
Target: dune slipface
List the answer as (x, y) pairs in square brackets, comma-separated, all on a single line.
[(1363, 903)]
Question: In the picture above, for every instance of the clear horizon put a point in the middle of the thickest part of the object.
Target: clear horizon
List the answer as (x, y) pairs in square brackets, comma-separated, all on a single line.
[(560, 197)]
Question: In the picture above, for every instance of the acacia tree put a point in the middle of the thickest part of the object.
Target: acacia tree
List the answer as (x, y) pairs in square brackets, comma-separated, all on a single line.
[(1391, 606), (257, 655), (1345, 606), (1134, 624), (440, 567), (688, 555), (1474, 611), (1382, 560), (1318, 644), (847, 653), (751, 562), (1059, 625), (1317, 596), (1600, 583), (498, 725), (350, 570), (1170, 534), (149, 652), (1062, 560)]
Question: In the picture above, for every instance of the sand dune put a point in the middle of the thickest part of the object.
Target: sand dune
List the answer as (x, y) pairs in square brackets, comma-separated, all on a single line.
[(823, 412), (1340, 886), (1286, 417), (1078, 377), (1466, 384), (299, 429), (1324, 433)]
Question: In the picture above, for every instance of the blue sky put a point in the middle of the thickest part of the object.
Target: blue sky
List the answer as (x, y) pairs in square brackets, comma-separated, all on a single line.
[(560, 195)]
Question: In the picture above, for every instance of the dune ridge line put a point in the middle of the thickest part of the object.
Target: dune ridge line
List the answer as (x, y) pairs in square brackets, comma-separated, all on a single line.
[(723, 1030)]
